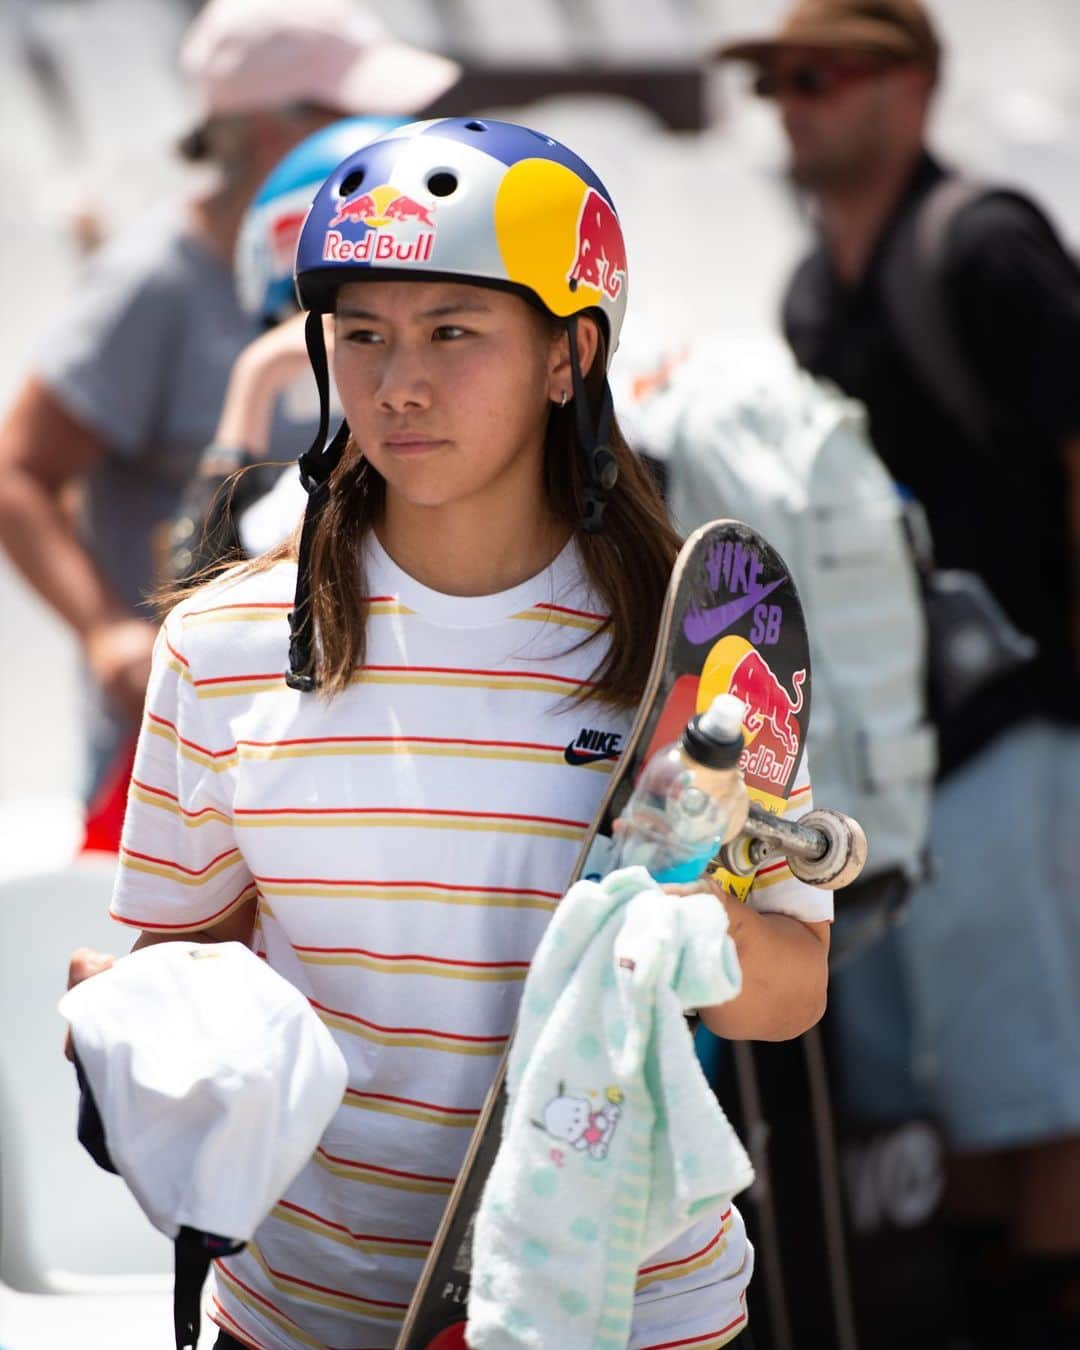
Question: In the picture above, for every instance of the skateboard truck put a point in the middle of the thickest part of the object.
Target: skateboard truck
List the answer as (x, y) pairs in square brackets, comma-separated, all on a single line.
[(825, 848)]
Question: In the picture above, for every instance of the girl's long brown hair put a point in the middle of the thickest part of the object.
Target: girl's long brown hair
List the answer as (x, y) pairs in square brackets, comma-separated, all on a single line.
[(628, 562)]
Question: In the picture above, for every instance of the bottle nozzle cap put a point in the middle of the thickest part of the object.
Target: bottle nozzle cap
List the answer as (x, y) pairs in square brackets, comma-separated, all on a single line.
[(715, 737), (723, 719)]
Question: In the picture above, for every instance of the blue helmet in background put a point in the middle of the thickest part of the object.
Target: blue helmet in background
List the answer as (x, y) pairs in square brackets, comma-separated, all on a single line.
[(266, 246)]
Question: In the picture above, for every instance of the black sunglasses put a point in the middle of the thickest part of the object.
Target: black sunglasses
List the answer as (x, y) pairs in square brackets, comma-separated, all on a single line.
[(816, 79)]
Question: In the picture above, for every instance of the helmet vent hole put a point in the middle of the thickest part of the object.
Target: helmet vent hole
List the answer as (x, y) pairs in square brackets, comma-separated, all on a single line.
[(475, 126), (442, 184), (351, 182)]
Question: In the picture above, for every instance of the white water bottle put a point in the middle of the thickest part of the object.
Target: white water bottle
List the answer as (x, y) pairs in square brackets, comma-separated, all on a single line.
[(689, 800)]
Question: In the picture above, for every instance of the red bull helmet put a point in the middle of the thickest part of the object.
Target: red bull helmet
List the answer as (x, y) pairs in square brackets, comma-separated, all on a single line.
[(461, 199), (474, 200)]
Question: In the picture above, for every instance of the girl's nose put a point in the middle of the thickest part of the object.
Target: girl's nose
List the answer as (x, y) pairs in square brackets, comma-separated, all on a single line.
[(404, 384)]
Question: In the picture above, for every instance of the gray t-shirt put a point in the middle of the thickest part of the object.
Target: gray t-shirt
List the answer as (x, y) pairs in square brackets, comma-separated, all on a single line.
[(141, 354)]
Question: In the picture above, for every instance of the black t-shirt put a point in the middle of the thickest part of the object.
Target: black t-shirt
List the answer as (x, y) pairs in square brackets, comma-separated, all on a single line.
[(999, 509)]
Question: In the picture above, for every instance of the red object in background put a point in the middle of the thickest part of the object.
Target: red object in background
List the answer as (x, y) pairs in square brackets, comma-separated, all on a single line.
[(105, 814)]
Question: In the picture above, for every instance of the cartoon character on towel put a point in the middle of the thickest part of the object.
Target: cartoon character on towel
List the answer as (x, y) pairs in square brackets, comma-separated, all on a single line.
[(573, 1121)]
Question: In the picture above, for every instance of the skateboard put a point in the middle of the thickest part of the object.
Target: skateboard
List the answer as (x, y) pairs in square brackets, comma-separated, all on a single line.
[(731, 622)]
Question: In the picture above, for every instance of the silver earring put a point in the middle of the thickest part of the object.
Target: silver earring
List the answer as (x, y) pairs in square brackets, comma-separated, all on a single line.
[(562, 401)]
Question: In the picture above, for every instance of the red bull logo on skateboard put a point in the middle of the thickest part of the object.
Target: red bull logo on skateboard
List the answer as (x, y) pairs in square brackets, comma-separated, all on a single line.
[(772, 727), (377, 208), (767, 700), (600, 261)]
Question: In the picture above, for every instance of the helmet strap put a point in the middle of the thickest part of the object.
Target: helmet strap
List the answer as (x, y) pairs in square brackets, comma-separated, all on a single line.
[(594, 435), (317, 463), (194, 1252)]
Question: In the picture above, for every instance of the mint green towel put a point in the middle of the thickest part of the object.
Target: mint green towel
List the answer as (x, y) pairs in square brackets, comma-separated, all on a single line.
[(612, 1142)]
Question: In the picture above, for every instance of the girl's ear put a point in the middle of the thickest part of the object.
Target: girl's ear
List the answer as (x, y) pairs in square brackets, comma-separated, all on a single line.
[(588, 339)]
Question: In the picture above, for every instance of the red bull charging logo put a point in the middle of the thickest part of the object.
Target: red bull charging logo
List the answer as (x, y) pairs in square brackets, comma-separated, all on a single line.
[(600, 260), (767, 700), (386, 213), (773, 731)]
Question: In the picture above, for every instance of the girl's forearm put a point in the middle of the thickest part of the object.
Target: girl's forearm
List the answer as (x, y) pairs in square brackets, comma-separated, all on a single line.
[(785, 974)]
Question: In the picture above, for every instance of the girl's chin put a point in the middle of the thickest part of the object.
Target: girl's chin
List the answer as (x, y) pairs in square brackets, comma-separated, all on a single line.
[(423, 496)]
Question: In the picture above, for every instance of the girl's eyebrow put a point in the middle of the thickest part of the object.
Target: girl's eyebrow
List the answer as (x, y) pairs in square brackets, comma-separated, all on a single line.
[(463, 306)]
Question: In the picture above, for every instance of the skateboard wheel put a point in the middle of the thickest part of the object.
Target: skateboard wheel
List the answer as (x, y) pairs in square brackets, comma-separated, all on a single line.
[(845, 854), (735, 857)]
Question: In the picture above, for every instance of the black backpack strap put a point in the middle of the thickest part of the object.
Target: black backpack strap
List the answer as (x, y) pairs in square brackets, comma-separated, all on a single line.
[(913, 288)]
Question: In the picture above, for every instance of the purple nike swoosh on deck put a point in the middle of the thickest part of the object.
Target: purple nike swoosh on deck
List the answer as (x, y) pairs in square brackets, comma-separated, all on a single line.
[(702, 625)]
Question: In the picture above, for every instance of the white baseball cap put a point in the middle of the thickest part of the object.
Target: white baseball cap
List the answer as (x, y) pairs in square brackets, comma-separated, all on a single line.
[(244, 55), (214, 1080)]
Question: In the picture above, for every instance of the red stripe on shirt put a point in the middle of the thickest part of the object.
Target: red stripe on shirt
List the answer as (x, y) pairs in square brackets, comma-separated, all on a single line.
[(179, 867), (564, 609), (696, 1340), (172, 797), (182, 659), (259, 1298), (230, 1324), (192, 745), (413, 956), (666, 1265), (403, 811), (424, 670), (412, 1101), (410, 1031), (272, 604), (357, 1237), (402, 740), (383, 1171), (189, 926), (430, 885)]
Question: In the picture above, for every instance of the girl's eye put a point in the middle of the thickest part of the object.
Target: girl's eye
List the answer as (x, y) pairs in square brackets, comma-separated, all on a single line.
[(446, 332), (362, 335)]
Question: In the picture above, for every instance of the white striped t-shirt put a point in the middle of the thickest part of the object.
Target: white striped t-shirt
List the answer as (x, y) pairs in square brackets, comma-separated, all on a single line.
[(407, 841)]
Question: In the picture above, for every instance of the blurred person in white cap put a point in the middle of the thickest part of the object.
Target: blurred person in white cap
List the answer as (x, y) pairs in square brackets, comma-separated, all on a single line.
[(123, 393)]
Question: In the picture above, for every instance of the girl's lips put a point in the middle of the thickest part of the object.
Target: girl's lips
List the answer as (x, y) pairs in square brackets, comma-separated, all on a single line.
[(413, 445)]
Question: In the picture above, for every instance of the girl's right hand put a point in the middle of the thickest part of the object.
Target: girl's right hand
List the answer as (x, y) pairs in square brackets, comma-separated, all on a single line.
[(84, 963)]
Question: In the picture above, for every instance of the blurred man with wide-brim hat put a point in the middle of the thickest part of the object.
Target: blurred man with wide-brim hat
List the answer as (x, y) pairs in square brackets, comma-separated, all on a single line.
[(952, 311), (852, 79)]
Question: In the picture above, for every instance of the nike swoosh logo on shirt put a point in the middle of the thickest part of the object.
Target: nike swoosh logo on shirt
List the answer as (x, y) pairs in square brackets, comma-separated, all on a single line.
[(573, 756), (703, 625)]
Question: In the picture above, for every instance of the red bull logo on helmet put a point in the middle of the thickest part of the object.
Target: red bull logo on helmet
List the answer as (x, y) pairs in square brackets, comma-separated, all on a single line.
[(397, 228), (600, 260)]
